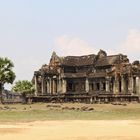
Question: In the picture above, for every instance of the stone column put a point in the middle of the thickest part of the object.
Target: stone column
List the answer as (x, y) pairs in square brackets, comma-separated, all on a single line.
[(87, 85), (91, 100), (64, 86), (107, 86), (48, 88), (116, 86), (101, 86), (42, 85), (130, 85), (58, 89), (36, 86), (54, 86), (139, 86), (122, 84), (134, 85), (58, 85), (50, 85)]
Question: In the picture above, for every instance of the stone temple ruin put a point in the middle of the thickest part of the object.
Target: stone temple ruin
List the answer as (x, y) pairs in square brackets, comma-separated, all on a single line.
[(90, 78)]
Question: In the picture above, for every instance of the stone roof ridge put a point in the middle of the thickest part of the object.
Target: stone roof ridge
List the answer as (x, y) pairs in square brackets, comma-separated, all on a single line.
[(74, 56), (78, 60), (115, 55)]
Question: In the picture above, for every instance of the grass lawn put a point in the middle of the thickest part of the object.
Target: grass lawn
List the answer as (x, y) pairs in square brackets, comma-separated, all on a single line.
[(40, 111)]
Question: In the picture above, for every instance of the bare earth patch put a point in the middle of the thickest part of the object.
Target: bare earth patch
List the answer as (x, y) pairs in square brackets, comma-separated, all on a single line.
[(72, 130), (11, 130)]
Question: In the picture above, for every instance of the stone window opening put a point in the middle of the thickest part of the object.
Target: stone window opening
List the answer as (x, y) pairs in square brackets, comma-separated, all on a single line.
[(97, 86), (104, 86)]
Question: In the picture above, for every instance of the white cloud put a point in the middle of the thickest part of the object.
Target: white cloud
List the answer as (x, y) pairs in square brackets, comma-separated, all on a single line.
[(73, 46), (132, 42), (131, 45)]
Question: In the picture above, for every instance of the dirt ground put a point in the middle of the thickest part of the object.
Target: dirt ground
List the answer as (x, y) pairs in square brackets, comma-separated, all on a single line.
[(71, 130)]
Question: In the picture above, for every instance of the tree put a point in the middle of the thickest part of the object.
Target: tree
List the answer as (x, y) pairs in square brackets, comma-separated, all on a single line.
[(6, 74), (23, 87)]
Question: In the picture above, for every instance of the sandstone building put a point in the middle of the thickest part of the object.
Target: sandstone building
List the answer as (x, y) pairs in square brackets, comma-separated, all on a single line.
[(95, 75)]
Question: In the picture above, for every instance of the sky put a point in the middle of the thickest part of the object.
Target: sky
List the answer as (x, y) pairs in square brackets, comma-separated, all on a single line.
[(30, 30)]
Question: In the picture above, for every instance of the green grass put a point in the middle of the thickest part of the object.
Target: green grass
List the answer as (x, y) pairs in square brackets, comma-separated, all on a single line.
[(36, 112)]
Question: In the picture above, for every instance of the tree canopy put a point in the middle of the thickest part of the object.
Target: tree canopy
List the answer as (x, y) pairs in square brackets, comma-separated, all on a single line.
[(23, 87), (6, 73)]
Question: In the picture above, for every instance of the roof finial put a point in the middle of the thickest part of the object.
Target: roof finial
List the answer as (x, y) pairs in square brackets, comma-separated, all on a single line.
[(102, 53), (54, 53)]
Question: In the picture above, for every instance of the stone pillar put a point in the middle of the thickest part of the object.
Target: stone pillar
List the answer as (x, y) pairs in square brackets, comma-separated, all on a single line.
[(91, 100), (130, 84), (134, 85), (58, 85), (64, 86), (50, 85), (48, 88), (42, 85), (139, 86), (54, 86), (116, 86), (36, 86), (87, 85), (107, 86), (101, 86), (122, 84)]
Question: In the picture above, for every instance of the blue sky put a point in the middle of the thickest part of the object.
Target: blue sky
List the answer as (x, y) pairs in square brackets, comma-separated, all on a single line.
[(31, 29)]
